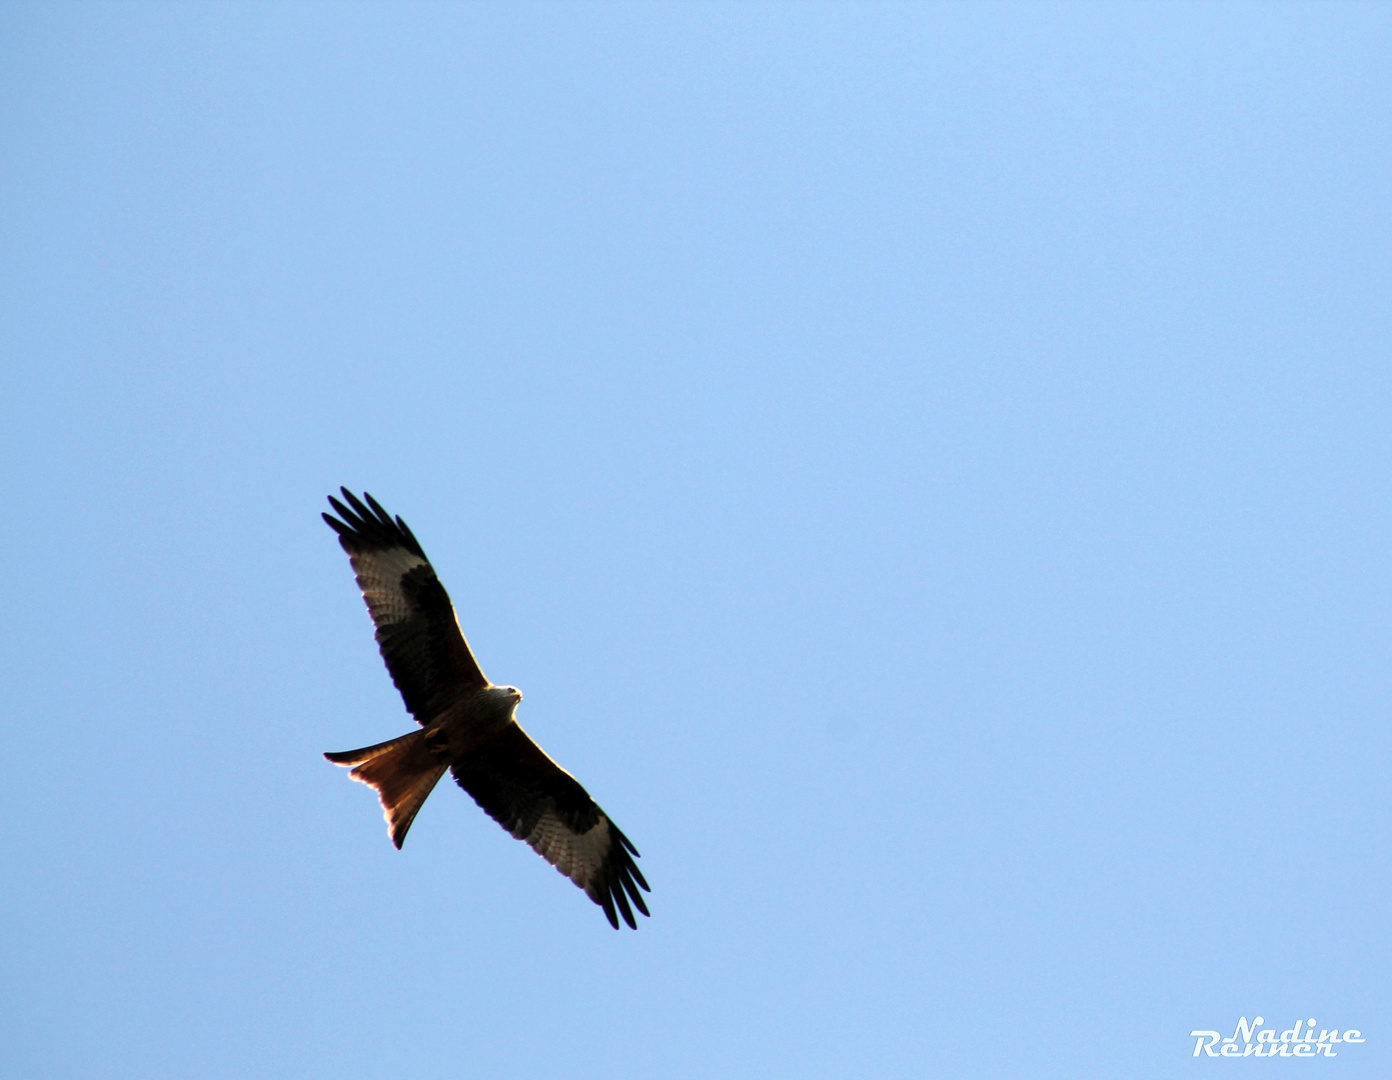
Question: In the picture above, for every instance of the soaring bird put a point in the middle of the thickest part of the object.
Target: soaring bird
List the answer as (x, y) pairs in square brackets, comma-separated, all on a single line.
[(469, 725)]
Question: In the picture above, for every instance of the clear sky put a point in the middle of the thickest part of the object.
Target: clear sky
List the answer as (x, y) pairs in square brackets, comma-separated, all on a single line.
[(928, 468)]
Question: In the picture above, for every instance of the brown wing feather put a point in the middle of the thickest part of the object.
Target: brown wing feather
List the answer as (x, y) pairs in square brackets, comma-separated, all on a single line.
[(536, 800), (417, 630)]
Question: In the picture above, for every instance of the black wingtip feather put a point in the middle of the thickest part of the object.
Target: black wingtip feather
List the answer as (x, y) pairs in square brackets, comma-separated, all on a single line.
[(626, 842), (608, 905), (632, 891), (369, 526), (625, 909), (382, 515), (406, 532), (364, 514), (622, 882), (343, 511)]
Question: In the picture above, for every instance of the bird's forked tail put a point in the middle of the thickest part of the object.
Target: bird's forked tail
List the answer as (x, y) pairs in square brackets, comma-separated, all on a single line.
[(402, 771)]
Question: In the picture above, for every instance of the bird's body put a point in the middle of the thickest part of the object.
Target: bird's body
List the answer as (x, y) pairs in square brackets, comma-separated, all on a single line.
[(469, 726)]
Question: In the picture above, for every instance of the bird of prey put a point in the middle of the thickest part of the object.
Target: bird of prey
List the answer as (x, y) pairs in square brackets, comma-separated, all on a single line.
[(468, 724)]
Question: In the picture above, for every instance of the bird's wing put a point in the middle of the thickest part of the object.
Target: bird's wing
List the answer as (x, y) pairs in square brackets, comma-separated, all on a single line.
[(536, 800), (417, 630)]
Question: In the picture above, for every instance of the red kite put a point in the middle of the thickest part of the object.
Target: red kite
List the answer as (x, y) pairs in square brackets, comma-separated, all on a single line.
[(469, 724)]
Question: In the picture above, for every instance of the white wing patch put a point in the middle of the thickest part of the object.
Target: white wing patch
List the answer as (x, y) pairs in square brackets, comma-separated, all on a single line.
[(576, 855), (379, 576)]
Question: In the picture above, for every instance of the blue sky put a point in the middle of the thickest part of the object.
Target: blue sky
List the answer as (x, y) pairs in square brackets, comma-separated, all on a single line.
[(926, 466)]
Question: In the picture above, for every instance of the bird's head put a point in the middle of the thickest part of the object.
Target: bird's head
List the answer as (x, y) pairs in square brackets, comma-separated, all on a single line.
[(505, 697)]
